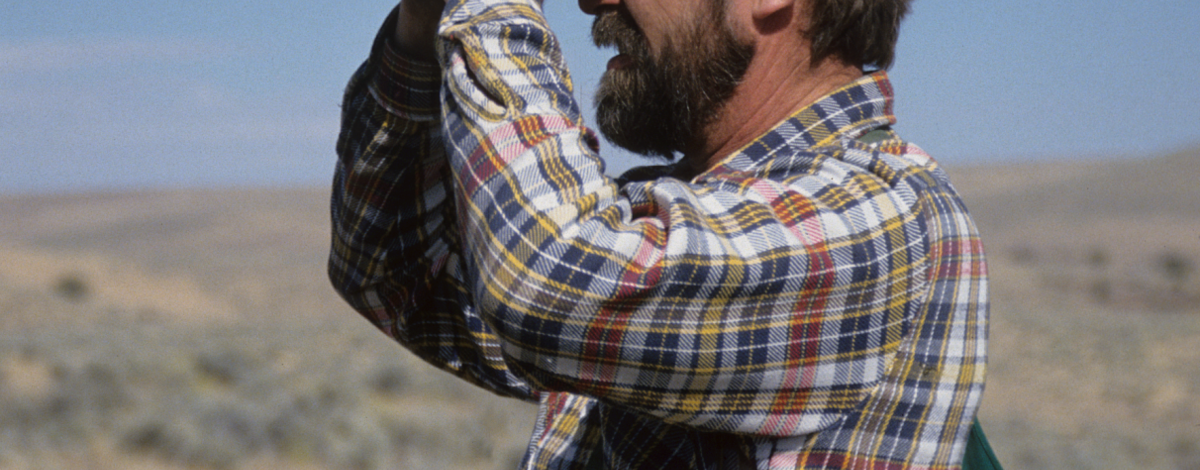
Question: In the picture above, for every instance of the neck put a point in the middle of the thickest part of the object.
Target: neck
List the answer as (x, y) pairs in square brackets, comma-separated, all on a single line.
[(775, 86)]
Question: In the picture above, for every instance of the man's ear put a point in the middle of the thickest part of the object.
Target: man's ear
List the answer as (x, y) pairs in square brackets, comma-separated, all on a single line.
[(764, 9)]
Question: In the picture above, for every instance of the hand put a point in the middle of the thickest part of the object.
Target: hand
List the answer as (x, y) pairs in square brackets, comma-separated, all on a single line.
[(416, 28)]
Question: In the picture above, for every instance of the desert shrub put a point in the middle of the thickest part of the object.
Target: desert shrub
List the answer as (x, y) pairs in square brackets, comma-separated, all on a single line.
[(226, 367), (1023, 254), (1176, 267), (72, 287), (97, 386), (1098, 258), (390, 380), (1185, 453), (214, 436), (218, 399), (330, 425), (1102, 290)]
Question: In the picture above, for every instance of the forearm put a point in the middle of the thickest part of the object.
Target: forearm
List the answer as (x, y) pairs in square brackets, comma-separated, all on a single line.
[(415, 31), (393, 220), (388, 198)]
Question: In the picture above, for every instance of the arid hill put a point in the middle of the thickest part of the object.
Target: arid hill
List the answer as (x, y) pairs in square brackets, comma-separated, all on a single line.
[(1096, 310), (190, 328)]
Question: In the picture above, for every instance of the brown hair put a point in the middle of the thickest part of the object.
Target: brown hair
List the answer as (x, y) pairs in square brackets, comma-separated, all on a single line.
[(859, 32)]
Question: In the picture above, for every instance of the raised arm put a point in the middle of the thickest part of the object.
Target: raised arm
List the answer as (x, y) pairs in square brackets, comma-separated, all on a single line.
[(767, 301), (393, 222)]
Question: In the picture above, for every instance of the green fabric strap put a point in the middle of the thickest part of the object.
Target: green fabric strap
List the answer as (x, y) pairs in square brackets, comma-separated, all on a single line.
[(876, 135), (979, 454)]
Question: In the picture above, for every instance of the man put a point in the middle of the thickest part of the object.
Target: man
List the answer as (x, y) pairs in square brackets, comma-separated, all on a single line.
[(802, 289)]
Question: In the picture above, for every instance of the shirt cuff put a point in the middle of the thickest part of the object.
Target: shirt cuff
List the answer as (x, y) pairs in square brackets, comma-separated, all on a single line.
[(405, 86)]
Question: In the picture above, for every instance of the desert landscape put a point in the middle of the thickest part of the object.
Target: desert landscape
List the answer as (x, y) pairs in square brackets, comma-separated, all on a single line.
[(192, 329)]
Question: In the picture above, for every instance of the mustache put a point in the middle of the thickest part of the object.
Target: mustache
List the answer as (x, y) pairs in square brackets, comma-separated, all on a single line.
[(614, 28)]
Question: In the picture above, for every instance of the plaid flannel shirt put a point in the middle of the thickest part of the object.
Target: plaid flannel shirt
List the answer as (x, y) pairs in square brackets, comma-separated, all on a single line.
[(813, 301)]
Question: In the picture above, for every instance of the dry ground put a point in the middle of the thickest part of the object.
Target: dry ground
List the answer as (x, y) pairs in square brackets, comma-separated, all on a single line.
[(1096, 311), (195, 329)]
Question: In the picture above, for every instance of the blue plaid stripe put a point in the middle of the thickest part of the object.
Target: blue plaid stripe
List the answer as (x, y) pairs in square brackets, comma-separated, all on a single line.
[(811, 302)]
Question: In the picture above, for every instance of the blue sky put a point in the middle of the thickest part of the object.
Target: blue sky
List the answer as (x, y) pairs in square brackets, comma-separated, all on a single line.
[(149, 94)]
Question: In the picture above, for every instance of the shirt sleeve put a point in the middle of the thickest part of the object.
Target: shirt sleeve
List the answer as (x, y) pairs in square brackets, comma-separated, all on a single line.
[(393, 224), (765, 302)]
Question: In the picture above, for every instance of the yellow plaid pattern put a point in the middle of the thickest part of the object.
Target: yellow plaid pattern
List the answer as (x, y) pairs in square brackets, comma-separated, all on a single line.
[(814, 301)]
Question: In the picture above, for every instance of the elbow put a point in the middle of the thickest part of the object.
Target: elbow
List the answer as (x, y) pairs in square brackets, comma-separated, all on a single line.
[(343, 283)]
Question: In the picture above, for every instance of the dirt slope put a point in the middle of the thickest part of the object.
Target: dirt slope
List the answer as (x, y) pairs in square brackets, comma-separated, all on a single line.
[(183, 329)]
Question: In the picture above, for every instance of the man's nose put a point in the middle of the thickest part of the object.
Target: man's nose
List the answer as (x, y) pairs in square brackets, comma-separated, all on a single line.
[(591, 6)]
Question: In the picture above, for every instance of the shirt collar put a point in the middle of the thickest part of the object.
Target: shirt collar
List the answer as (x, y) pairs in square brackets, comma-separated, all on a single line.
[(842, 115)]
